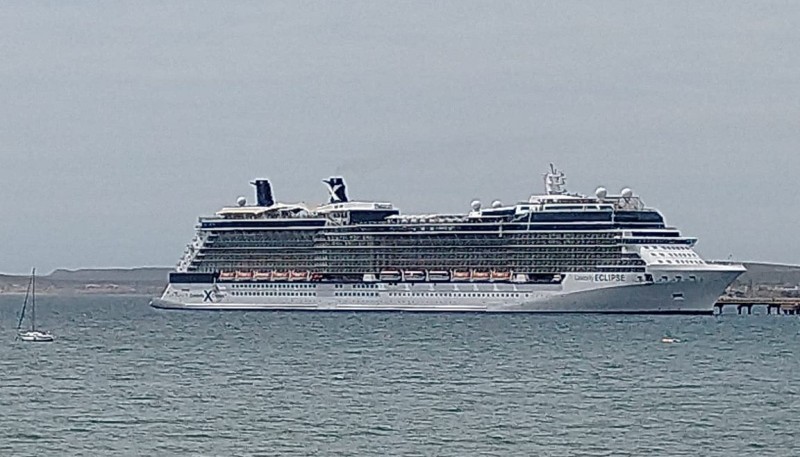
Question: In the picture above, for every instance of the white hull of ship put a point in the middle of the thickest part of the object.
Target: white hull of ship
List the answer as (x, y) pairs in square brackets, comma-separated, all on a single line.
[(677, 291)]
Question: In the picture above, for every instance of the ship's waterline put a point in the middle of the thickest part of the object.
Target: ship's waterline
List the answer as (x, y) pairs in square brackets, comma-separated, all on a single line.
[(555, 252)]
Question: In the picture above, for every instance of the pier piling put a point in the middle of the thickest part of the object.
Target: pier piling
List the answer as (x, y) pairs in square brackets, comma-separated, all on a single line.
[(785, 306)]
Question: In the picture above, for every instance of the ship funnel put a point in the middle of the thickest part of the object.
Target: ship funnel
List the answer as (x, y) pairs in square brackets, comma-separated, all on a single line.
[(263, 192), (337, 189)]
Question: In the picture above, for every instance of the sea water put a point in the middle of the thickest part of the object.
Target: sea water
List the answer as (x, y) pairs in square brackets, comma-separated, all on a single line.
[(123, 379)]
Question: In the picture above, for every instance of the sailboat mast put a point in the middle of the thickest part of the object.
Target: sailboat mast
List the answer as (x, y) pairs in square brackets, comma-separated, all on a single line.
[(33, 300), (25, 303)]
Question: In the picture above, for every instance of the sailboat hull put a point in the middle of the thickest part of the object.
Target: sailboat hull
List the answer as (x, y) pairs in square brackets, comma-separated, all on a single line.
[(36, 337)]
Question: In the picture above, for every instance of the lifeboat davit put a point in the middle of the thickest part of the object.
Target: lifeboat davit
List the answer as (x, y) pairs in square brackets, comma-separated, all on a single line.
[(438, 275), (389, 275), (414, 275)]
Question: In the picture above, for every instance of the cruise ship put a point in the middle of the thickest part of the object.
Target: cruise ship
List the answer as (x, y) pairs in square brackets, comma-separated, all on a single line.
[(554, 252)]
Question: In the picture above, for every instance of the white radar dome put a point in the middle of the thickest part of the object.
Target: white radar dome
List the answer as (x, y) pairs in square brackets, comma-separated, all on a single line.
[(626, 193), (496, 204), (241, 201), (476, 205), (601, 193)]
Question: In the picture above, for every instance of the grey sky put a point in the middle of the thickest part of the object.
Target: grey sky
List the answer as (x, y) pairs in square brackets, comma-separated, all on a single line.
[(121, 123)]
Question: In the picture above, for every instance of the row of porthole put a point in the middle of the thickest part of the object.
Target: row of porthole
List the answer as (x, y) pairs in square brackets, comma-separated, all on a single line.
[(358, 286), (458, 294), (274, 294), (692, 278), (273, 286), (679, 261), (355, 294), (393, 294), (674, 254)]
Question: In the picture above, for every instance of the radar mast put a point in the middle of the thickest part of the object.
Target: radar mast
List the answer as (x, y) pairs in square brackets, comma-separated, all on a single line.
[(554, 181)]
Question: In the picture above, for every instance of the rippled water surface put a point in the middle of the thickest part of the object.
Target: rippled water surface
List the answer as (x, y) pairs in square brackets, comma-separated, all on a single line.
[(125, 379)]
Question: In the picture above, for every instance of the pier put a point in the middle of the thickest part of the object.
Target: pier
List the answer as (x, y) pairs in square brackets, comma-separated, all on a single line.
[(788, 306)]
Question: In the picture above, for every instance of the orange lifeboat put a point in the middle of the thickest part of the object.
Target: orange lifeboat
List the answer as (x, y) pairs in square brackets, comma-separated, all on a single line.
[(461, 275), (280, 275), (227, 275), (501, 275), (480, 275), (262, 275), (244, 275), (298, 275)]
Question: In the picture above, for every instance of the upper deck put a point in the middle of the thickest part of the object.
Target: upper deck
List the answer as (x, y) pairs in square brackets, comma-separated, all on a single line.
[(550, 233), (554, 210)]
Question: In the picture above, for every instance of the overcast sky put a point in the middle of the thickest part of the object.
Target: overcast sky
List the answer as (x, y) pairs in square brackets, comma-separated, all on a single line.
[(120, 123)]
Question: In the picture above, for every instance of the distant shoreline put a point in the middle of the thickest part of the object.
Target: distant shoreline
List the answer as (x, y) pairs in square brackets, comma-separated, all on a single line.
[(148, 281)]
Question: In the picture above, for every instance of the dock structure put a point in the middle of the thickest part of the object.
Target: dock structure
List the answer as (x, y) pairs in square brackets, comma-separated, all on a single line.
[(787, 306)]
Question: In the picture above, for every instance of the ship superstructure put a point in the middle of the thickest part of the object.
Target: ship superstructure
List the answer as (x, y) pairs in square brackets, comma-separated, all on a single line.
[(555, 252)]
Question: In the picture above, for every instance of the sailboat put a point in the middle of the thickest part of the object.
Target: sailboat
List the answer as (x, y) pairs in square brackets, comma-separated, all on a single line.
[(32, 334)]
